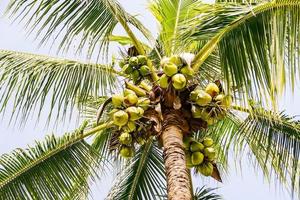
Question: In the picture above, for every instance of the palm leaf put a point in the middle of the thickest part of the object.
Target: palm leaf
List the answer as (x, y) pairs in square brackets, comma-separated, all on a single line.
[(49, 170), (30, 81), (93, 21), (171, 15), (206, 194), (274, 139), (257, 52), (144, 176)]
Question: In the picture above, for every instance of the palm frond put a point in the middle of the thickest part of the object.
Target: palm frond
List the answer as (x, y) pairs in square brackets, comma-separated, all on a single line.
[(144, 176), (31, 81), (274, 139), (258, 45), (171, 15), (93, 21), (204, 193), (49, 170)]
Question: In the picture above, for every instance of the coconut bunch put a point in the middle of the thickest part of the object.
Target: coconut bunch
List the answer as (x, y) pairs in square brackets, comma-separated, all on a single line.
[(200, 155), (176, 71), (211, 104), (129, 108), (136, 67)]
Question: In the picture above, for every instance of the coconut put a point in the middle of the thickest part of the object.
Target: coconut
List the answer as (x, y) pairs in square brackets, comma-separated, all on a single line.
[(143, 102), (164, 81), (188, 160), (196, 111), (194, 95), (178, 81), (126, 152), (134, 61), (127, 69), (176, 60), (212, 89), (205, 169), (203, 98), (208, 142), (170, 69), (141, 111), (131, 99), (196, 146), (127, 92), (142, 60), (125, 138), (188, 71), (219, 98), (197, 158), (135, 75), (120, 118), (144, 70), (117, 100), (186, 142), (130, 127), (210, 153), (134, 113)]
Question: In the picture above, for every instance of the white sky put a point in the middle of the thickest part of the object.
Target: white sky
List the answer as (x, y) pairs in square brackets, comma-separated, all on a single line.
[(247, 186)]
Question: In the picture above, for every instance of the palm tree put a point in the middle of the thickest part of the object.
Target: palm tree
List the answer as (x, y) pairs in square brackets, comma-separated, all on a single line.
[(251, 48)]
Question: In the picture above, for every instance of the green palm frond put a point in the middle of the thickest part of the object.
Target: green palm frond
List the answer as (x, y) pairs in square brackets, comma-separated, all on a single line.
[(274, 139), (143, 177), (258, 45), (206, 194), (171, 15), (31, 81), (49, 170), (93, 21)]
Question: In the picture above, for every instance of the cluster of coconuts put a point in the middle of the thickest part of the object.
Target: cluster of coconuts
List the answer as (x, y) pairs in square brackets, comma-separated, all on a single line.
[(210, 104), (176, 71), (136, 67), (129, 108), (200, 155)]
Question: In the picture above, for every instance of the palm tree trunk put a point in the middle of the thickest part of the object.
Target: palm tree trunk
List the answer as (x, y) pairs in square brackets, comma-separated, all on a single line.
[(178, 181)]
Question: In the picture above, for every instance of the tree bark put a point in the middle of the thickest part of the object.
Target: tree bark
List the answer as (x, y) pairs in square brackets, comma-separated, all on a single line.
[(178, 180)]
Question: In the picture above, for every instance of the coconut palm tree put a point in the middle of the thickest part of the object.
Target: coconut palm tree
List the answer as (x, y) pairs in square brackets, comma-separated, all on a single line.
[(248, 50)]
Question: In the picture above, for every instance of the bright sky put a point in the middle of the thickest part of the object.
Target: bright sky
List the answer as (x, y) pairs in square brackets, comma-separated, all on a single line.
[(248, 185)]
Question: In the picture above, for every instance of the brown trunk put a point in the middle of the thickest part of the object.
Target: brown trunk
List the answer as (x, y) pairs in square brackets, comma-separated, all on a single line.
[(178, 181)]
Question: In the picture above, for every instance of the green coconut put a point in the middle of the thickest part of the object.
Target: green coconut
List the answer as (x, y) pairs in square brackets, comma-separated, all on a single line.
[(212, 89), (170, 69), (142, 60), (127, 69), (208, 142), (178, 81), (197, 158), (164, 81), (117, 100), (196, 146), (144, 70), (143, 102), (126, 152), (134, 61), (120, 118), (203, 98), (187, 71), (205, 169), (196, 111), (210, 153), (131, 99), (134, 113), (125, 138)]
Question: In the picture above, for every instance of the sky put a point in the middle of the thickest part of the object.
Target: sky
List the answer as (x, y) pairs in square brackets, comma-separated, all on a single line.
[(241, 183)]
